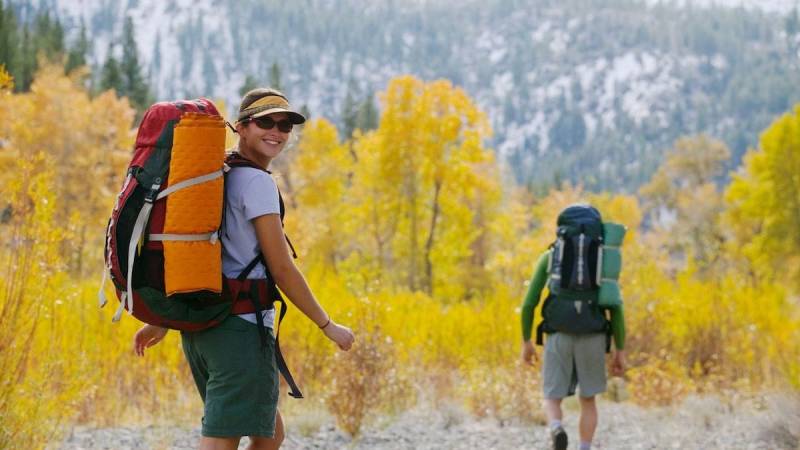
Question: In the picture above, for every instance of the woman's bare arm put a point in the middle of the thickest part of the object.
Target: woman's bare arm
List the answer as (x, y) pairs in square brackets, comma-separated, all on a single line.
[(290, 280)]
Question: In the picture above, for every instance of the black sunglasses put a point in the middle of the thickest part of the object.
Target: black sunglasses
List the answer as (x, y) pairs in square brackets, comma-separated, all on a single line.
[(268, 123)]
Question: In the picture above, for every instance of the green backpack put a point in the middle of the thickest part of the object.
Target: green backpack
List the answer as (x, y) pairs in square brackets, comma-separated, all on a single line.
[(583, 266)]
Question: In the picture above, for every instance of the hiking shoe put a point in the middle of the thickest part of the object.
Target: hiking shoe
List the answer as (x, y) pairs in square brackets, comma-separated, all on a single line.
[(559, 438)]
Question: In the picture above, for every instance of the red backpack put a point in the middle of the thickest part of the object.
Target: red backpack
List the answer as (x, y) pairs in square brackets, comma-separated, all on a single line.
[(135, 236)]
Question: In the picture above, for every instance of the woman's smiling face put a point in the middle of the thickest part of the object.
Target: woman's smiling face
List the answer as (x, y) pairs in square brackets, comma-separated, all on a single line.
[(263, 143)]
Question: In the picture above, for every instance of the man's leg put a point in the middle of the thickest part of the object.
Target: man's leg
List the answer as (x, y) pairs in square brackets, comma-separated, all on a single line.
[(590, 362), (588, 423), (215, 443), (558, 373), (552, 409), (265, 443)]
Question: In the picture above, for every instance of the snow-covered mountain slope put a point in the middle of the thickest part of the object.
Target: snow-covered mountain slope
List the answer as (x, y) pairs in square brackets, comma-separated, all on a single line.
[(569, 86)]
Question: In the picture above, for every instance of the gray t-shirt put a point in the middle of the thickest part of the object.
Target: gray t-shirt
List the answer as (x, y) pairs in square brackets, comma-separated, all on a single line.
[(249, 193)]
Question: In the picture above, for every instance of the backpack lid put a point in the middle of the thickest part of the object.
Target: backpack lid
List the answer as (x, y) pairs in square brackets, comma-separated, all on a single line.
[(580, 218)]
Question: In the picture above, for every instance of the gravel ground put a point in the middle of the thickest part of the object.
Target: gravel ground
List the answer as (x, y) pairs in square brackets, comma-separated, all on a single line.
[(698, 423)]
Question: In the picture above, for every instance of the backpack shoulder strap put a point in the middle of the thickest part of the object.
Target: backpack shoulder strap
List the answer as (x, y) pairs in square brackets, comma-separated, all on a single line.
[(235, 159)]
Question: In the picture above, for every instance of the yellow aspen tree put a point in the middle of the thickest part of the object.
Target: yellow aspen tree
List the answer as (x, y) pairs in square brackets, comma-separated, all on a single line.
[(513, 234), (764, 203), (685, 204), (88, 142), (320, 168), (375, 205), (6, 80), (56, 145), (427, 167)]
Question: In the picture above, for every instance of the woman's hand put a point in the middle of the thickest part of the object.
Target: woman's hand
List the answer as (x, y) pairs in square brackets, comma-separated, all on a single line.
[(341, 335), (147, 336)]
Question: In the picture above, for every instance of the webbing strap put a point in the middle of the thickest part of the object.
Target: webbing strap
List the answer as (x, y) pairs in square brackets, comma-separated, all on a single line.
[(189, 183), (294, 391), (120, 308), (136, 236), (101, 294), (599, 276), (249, 268), (540, 333), (211, 237), (294, 253), (540, 330), (255, 300), (283, 368)]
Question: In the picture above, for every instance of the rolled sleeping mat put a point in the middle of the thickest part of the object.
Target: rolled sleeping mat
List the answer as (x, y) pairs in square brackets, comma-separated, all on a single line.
[(611, 264), (198, 149), (613, 234)]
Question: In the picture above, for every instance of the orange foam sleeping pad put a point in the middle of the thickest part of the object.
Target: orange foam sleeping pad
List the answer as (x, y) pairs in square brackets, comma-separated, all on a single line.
[(198, 149)]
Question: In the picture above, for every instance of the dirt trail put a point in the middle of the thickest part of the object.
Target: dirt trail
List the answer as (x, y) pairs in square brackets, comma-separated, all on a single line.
[(699, 423)]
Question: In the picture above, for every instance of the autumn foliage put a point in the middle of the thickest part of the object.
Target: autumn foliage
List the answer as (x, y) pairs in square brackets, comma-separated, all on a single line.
[(413, 235)]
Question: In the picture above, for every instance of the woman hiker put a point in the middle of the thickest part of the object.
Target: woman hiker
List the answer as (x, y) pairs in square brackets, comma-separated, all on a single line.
[(239, 386)]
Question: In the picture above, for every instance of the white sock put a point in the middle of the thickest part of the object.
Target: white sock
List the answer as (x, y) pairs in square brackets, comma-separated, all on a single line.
[(586, 446), (555, 424)]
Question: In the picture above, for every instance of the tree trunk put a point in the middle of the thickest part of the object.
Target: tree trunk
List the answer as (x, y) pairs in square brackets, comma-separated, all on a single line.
[(412, 195), (431, 233)]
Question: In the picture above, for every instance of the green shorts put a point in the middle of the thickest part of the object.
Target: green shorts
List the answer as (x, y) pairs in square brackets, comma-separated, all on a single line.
[(236, 377), (574, 360)]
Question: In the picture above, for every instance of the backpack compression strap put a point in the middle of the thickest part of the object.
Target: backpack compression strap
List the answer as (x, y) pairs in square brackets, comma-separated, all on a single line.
[(126, 302), (253, 295)]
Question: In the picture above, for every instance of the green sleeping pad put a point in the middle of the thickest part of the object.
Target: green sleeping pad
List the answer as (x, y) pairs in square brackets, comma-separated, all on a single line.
[(611, 264)]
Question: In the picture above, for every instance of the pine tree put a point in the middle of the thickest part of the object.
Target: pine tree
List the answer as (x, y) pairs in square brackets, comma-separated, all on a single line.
[(26, 65), (155, 62), (305, 111), (275, 77), (368, 117), (350, 110), (133, 83), (111, 74), (48, 37), (9, 40), (22, 46), (76, 57)]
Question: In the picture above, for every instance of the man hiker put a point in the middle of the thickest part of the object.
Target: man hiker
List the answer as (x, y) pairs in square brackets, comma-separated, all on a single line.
[(577, 267)]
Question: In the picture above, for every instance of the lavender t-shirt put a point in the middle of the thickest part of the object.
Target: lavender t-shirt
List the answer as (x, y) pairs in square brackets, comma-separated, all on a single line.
[(249, 193)]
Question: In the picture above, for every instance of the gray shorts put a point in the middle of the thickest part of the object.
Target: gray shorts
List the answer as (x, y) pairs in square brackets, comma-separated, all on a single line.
[(572, 361)]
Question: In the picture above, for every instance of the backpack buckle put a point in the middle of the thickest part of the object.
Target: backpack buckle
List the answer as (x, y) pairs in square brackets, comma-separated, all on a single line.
[(151, 195)]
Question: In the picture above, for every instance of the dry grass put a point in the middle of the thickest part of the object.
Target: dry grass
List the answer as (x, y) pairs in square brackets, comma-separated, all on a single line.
[(366, 382)]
